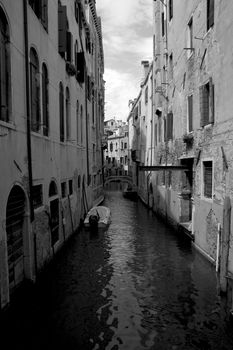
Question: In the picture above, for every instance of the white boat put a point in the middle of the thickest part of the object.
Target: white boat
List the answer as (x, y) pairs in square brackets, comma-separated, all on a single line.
[(98, 216)]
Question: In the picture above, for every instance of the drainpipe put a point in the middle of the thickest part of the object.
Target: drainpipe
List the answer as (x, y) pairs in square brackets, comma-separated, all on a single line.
[(87, 138), (85, 73), (29, 150), (218, 247)]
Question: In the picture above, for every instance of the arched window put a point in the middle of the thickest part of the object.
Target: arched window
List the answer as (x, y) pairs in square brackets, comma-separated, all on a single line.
[(52, 189), (45, 100), (61, 112), (34, 91), (68, 126), (81, 119), (111, 147), (4, 69), (77, 120)]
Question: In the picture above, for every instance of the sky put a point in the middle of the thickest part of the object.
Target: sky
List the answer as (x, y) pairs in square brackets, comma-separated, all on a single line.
[(127, 40)]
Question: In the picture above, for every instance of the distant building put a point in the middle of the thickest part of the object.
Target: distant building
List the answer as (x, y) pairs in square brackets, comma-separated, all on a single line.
[(51, 129), (116, 154)]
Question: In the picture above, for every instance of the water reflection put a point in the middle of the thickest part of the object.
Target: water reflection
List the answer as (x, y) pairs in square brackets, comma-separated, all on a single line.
[(136, 285)]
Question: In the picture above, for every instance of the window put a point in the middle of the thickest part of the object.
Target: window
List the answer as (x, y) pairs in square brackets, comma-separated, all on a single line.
[(156, 134), (37, 196), (207, 179), (41, 10), (70, 187), (76, 54), (169, 126), (111, 147), (34, 91), (125, 145), (206, 93), (68, 126), (190, 38), (77, 121), (61, 112), (170, 9), (94, 153), (171, 66), (63, 189), (80, 66), (136, 113), (77, 11), (69, 46), (62, 29), (45, 100), (81, 127), (163, 23), (146, 95), (160, 128), (190, 113), (5, 86), (210, 14), (52, 189)]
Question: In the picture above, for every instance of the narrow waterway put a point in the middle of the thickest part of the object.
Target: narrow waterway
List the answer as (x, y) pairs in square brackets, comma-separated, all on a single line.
[(135, 286)]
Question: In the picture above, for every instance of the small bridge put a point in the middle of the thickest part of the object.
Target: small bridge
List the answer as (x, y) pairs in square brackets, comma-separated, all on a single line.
[(118, 178)]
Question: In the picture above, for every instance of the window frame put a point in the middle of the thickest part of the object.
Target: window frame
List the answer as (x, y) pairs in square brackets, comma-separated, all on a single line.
[(203, 189), (189, 98), (210, 7), (34, 76), (45, 100), (6, 70), (61, 112)]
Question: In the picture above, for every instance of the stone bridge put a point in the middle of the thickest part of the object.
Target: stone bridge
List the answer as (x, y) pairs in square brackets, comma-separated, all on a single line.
[(118, 178)]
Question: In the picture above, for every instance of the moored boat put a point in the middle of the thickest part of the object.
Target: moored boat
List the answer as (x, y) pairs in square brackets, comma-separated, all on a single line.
[(130, 193), (98, 217)]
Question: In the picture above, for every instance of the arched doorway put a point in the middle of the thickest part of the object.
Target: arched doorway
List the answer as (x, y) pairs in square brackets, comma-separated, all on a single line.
[(15, 216), (54, 212)]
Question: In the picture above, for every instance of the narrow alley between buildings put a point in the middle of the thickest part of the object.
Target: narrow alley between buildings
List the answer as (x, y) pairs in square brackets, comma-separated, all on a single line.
[(137, 285)]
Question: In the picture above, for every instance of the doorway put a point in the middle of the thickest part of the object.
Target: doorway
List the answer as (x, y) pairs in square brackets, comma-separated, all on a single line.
[(15, 216)]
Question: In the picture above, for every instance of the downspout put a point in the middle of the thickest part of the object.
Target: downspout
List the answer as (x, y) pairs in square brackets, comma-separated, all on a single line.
[(29, 150), (87, 138), (85, 96)]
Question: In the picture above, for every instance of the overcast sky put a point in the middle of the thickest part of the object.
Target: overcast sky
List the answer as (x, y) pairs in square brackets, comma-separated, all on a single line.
[(127, 39)]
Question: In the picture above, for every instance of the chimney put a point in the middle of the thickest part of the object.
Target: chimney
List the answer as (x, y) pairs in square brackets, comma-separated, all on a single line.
[(145, 69)]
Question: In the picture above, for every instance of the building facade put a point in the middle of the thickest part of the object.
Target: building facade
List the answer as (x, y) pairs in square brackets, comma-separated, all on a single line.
[(51, 127), (189, 182), (116, 153)]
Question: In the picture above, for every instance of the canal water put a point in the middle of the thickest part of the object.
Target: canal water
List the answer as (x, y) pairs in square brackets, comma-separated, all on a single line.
[(135, 286)]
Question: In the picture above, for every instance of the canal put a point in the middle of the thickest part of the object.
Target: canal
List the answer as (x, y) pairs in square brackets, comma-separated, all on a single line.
[(136, 286)]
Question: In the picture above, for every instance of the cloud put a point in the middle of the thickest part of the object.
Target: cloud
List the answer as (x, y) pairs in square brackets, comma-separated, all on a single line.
[(127, 35)]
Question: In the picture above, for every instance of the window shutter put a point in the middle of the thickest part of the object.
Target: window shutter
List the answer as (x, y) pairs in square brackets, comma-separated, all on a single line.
[(201, 96), (190, 113), (80, 66), (163, 24), (210, 14), (44, 13), (62, 29), (211, 85), (165, 129), (69, 49), (156, 134), (208, 179)]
